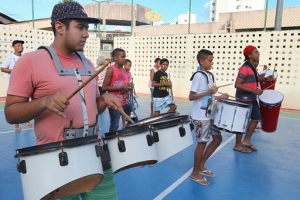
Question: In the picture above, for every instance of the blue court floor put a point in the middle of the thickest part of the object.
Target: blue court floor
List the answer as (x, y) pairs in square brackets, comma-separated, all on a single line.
[(272, 173)]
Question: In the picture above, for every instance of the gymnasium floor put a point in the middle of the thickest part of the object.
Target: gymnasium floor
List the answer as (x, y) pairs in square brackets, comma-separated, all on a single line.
[(271, 173)]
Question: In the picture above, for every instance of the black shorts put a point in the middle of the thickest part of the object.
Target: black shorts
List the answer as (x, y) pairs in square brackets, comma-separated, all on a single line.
[(255, 113)]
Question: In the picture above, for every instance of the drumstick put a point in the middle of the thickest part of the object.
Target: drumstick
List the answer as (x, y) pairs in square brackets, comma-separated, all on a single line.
[(273, 71), (125, 115), (224, 85), (269, 86), (88, 80), (228, 95)]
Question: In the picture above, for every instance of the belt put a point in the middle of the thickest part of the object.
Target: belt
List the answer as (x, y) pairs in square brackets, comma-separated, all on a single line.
[(78, 132)]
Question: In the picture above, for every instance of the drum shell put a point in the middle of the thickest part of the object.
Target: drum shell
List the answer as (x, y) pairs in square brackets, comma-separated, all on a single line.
[(232, 116), (45, 174), (170, 142), (138, 152), (270, 109)]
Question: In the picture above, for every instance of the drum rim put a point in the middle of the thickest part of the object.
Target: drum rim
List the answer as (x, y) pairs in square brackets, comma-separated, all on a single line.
[(157, 117), (128, 131), (49, 147), (233, 102), (170, 122), (273, 103)]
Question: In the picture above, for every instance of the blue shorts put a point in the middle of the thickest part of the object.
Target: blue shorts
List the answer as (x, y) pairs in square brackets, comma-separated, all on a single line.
[(255, 113), (151, 91), (161, 103)]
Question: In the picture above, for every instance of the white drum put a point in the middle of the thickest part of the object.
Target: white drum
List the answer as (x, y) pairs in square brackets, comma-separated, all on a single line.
[(270, 72), (232, 116), (172, 136), (131, 147), (60, 169)]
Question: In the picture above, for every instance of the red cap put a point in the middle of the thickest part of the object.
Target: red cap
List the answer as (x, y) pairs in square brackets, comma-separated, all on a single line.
[(248, 50)]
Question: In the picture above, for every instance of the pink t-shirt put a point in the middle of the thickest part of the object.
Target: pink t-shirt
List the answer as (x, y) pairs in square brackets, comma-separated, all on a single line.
[(118, 79), (36, 76)]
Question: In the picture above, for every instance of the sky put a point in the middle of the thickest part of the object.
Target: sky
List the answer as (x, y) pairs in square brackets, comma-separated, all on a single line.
[(169, 9)]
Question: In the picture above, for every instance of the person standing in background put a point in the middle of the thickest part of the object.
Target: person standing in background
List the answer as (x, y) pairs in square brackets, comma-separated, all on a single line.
[(9, 63), (152, 72), (100, 78)]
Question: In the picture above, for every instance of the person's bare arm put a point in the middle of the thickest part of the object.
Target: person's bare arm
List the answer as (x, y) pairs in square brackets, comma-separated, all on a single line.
[(151, 74), (239, 85), (6, 70), (193, 95), (108, 100), (20, 110)]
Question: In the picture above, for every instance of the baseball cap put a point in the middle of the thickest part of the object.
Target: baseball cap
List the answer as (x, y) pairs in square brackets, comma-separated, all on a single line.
[(248, 50), (17, 41), (70, 10)]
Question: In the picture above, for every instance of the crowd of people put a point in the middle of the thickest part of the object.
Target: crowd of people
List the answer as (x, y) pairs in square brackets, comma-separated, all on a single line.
[(45, 101)]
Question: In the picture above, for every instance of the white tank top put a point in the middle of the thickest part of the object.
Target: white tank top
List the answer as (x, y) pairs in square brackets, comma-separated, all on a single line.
[(150, 81)]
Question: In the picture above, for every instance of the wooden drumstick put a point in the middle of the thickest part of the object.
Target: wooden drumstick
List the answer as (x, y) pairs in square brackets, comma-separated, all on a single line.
[(224, 85), (228, 95), (125, 115), (273, 71), (88, 80), (269, 86)]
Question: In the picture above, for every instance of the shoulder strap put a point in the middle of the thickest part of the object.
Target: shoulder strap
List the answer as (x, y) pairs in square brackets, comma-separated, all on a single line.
[(254, 71), (192, 77), (67, 71)]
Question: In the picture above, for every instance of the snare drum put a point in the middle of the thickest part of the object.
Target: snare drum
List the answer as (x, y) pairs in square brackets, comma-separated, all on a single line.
[(232, 116), (59, 169), (270, 103), (171, 136), (266, 84), (131, 147)]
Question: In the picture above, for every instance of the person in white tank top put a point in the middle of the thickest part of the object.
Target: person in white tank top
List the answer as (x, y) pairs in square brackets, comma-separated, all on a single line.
[(152, 72)]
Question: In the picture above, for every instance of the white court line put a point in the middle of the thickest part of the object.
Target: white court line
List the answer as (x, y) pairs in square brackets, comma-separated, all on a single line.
[(188, 173), (25, 129)]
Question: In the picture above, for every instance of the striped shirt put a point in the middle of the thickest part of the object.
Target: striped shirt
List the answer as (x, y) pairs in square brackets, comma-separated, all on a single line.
[(248, 75)]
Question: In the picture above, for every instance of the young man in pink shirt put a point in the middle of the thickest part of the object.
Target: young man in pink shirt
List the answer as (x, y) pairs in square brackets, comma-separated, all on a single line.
[(48, 87)]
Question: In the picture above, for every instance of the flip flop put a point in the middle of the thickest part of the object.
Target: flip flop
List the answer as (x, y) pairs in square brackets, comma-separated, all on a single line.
[(28, 124), (251, 147), (200, 181), (18, 129), (246, 151), (207, 173)]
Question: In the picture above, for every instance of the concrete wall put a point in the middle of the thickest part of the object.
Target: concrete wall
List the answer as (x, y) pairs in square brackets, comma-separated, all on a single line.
[(276, 48), (33, 39)]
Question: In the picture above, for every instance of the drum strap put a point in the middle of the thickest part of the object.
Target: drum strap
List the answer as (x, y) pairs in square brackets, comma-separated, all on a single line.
[(83, 105), (254, 71)]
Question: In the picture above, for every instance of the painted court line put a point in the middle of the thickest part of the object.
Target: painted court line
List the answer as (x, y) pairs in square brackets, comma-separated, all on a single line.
[(25, 129), (187, 174)]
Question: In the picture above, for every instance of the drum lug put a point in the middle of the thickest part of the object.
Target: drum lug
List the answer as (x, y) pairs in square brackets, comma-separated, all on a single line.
[(182, 131), (21, 167), (150, 139), (192, 126), (99, 150), (63, 159), (121, 144), (155, 137)]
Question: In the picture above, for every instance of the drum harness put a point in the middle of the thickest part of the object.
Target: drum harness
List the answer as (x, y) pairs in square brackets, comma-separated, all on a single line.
[(72, 133), (211, 106)]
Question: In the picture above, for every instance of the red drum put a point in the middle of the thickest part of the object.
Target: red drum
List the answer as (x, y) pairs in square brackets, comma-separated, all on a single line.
[(267, 84), (270, 102)]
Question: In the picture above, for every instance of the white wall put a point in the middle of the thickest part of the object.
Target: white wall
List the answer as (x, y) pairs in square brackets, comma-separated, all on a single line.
[(33, 39), (277, 48)]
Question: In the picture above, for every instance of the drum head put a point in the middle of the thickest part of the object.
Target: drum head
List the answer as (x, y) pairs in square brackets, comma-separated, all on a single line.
[(270, 72), (234, 103), (149, 120), (56, 145), (174, 121), (271, 97), (128, 131)]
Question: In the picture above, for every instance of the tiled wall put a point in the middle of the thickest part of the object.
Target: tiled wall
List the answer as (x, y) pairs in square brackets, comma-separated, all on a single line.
[(33, 39), (280, 49)]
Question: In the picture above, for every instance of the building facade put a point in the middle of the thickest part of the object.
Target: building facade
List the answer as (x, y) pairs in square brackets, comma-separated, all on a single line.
[(224, 6)]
